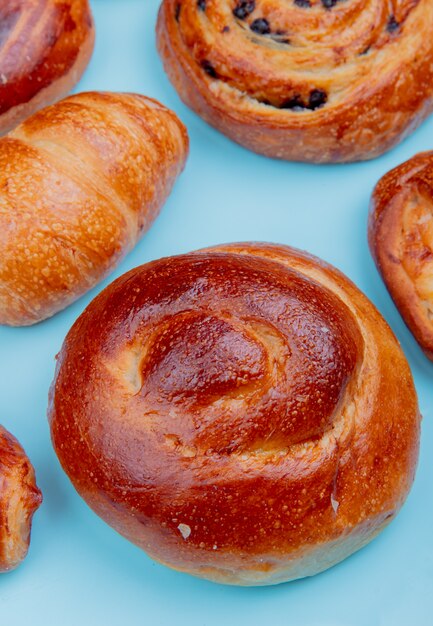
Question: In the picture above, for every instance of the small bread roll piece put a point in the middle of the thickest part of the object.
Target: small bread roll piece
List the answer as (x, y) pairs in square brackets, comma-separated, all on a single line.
[(401, 242), (80, 182), (243, 414), (19, 499), (45, 46)]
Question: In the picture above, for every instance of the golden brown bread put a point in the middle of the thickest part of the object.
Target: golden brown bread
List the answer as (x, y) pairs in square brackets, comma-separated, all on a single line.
[(80, 182), (243, 413), (401, 241), (45, 46), (19, 499), (304, 80)]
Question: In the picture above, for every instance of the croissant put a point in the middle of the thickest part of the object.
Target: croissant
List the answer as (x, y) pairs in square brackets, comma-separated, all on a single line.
[(304, 80), (401, 242), (80, 182), (243, 414), (45, 46), (19, 499)]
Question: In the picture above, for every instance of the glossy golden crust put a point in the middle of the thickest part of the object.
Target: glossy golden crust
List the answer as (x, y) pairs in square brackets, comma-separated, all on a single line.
[(19, 499), (243, 413), (80, 182), (401, 241), (304, 83), (45, 46)]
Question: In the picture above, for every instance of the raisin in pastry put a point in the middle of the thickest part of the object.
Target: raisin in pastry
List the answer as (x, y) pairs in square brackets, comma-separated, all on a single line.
[(304, 80)]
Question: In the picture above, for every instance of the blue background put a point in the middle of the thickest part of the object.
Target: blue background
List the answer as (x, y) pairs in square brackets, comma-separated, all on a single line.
[(79, 571)]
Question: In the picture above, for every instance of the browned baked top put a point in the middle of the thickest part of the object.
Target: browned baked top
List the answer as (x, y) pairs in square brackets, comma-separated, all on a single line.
[(19, 499), (401, 241), (234, 408), (40, 43), (80, 182), (321, 80)]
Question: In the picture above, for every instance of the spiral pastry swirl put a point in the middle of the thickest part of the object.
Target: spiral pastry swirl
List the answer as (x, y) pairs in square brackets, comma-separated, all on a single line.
[(401, 241), (243, 414), (304, 80)]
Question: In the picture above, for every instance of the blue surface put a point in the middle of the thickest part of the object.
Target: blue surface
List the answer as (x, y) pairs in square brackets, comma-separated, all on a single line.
[(80, 572)]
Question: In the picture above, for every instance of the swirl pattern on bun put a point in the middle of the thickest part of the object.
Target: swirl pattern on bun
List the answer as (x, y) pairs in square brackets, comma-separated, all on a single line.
[(243, 413), (304, 80)]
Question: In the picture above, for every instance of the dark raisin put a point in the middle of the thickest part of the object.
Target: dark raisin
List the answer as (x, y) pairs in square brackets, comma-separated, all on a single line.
[(304, 4), (226, 29), (328, 4), (392, 25), (244, 8), (177, 12), (261, 26), (296, 103), (365, 51), (201, 4), (209, 68), (318, 97)]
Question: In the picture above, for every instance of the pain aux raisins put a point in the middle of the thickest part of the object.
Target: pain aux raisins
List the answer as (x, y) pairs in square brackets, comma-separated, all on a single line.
[(244, 8)]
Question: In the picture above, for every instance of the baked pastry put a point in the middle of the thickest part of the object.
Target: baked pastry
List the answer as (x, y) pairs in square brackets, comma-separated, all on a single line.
[(80, 182), (243, 414), (19, 499), (304, 80), (45, 46), (401, 241)]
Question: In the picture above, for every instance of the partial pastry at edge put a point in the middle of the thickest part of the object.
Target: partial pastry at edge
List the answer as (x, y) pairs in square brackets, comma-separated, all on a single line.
[(80, 183), (19, 499), (45, 46), (243, 414), (401, 242), (305, 81)]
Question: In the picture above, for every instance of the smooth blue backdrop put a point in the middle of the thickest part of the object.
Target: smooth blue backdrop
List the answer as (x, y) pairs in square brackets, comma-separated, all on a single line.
[(79, 572)]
